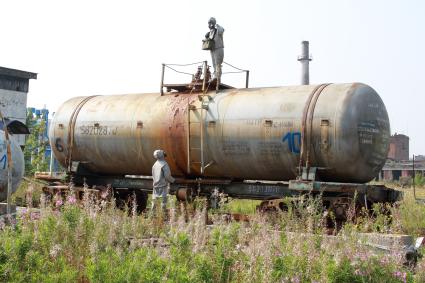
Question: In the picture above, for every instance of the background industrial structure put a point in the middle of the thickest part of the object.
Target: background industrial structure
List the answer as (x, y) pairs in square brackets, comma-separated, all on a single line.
[(14, 86), (13, 107), (400, 164)]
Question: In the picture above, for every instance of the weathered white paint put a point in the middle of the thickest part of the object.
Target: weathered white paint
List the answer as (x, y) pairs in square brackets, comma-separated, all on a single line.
[(13, 105)]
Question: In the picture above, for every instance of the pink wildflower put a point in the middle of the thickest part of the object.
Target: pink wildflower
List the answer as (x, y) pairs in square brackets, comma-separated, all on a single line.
[(35, 215), (71, 200), (104, 194), (401, 275), (384, 260), (59, 202)]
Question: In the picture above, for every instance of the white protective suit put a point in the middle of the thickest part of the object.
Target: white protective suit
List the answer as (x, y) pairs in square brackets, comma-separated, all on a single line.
[(161, 175), (217, 54)]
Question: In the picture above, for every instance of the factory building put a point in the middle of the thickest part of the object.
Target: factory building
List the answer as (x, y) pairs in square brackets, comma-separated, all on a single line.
[(399, 147), (399, 165), (396, 171), (14, 86)]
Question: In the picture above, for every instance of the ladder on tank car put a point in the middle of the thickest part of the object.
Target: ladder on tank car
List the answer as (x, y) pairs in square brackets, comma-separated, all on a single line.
[(196, 133)]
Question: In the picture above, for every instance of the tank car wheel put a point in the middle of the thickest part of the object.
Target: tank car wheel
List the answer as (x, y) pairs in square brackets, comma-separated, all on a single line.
[(344, 207), (273, 205), (125, 197), (141, 200), (46, 197), (184, 194)]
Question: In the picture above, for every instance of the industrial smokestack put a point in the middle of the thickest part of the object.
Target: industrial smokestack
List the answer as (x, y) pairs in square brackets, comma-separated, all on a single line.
[(305, 59)]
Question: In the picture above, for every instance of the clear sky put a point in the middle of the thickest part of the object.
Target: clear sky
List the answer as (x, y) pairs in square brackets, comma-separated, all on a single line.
[(112, 47)]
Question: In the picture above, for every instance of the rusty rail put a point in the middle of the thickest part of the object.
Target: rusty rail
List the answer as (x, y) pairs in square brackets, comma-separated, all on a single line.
[(164, 65), (205, 77), (162, 80), (239, 71)]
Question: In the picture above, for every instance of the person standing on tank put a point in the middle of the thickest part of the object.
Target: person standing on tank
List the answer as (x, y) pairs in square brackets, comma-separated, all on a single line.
[(217, 52), (162, 178)]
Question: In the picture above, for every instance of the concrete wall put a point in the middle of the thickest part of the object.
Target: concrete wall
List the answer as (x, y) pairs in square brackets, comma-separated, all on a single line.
[(13, 105)]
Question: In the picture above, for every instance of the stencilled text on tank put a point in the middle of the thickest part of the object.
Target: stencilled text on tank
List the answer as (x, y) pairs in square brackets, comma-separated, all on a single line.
[(98, 130), (367, 131), (275, 123), (236, 147), (373, 138), (270, 149), (365, 138), (378, 108)]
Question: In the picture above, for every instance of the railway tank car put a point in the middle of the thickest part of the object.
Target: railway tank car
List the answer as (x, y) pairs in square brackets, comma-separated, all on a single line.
[(328, 139), (238, 133)]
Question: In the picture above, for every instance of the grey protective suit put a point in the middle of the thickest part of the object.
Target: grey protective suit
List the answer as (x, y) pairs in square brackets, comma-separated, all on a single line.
[(161, 175), (217, 54)]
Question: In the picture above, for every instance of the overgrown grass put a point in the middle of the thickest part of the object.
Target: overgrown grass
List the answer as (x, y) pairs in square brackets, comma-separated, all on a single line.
[(243, 206), (27, 192), (95, 242), (411, 216)]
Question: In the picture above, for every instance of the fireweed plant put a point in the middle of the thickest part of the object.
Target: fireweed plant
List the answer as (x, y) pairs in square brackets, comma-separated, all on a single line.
[(66, 240)]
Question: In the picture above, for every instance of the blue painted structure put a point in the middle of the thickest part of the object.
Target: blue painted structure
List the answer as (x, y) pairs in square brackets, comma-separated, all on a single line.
[(43, 115)]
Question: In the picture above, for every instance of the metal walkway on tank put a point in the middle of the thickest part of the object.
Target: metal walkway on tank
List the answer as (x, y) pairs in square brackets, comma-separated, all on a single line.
[(201, 80)]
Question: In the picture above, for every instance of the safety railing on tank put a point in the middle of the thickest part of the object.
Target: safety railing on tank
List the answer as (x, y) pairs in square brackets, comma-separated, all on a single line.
[(205, 67), (238, 71)]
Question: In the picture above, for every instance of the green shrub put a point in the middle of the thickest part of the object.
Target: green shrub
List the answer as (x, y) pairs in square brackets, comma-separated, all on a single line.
[(419, 179), (142, 265), (412, 216), (372, 269)]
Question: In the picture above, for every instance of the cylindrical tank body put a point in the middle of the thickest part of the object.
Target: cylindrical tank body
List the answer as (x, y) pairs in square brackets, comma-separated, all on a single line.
[(18, 166), (242, 133)]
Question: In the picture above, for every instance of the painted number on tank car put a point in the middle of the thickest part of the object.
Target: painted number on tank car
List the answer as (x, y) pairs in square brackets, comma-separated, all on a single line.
[(97, 131), (255, 189), (4, 161), (294, 141)]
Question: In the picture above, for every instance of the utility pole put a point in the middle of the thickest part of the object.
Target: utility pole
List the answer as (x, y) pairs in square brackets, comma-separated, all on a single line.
[(414, 188)]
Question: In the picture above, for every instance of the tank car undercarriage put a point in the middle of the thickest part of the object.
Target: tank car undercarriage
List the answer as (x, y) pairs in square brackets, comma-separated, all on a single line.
[(336, 197)]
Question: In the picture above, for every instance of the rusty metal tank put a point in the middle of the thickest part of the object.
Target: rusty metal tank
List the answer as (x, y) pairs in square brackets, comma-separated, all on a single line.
[(17, 165), (256, 133)]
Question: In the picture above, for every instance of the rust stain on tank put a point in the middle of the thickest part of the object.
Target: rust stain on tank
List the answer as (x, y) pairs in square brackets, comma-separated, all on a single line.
[(178, 130)]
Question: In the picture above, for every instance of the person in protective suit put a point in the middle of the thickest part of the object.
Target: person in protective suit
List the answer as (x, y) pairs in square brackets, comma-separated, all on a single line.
[(161, 175), (217, 53)]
